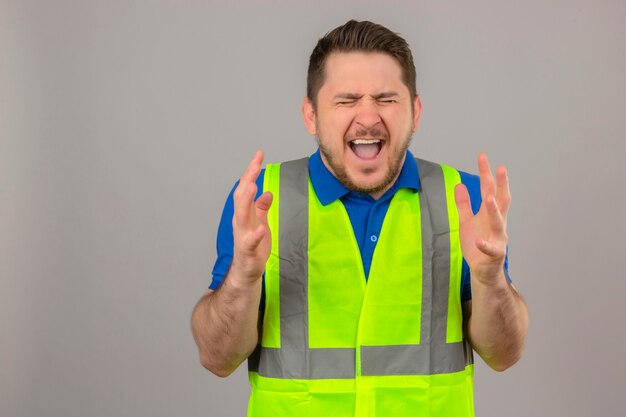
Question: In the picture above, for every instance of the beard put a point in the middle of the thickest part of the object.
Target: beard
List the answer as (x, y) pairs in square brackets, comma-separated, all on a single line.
[(340, 172)]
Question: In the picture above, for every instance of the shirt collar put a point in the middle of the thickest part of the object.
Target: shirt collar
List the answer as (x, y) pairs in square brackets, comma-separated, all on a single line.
[(328, 188)]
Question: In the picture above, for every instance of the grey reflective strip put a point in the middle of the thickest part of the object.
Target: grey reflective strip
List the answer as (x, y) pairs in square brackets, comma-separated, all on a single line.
[(307, 364), (293, 249), (294, 359), (433, 355), (444, 357), (412, 359)]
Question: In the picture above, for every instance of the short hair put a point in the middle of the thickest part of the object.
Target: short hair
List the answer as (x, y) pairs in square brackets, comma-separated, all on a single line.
[(356, 36)]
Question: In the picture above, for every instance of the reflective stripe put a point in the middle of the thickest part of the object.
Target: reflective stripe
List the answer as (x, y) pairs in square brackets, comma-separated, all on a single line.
[(293, 251), (412, 359), (436, 248), (307, 363), (295, 360)]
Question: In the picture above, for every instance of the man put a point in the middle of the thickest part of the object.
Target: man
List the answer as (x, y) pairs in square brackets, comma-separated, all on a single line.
[(361, 257)]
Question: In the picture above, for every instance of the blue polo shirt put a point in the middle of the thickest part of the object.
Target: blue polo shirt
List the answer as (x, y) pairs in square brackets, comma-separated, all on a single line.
[(365, 213)]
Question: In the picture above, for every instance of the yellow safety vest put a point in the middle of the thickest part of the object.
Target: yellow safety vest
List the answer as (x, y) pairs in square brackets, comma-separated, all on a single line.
[(334, 344)]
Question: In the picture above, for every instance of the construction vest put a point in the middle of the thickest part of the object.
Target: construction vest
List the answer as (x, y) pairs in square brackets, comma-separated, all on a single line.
[(334, 344)]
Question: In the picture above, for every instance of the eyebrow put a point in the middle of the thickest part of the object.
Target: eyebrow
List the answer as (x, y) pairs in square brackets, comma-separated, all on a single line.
[(347, 96), (353, 96), (385, 94)]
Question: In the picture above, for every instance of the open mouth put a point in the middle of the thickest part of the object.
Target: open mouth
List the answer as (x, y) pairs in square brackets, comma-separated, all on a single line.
[(366, 148)]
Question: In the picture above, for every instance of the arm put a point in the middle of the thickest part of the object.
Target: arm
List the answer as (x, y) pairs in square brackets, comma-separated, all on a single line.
[(496, 323), (224, 322), (496, 320)]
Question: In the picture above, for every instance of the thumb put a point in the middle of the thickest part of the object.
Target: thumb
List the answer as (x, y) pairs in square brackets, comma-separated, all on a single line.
[(262, 205)]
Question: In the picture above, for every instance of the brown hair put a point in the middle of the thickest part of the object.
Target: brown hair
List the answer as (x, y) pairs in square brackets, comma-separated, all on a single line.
[(364, 37)]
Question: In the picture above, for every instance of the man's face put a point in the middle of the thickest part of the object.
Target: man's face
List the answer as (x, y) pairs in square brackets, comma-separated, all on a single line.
[(363, 120)]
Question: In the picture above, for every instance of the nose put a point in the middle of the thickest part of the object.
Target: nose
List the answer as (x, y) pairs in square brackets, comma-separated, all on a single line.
[(367, 115)]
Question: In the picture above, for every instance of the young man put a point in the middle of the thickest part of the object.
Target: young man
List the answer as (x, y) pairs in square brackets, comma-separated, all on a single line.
[(364, 256)]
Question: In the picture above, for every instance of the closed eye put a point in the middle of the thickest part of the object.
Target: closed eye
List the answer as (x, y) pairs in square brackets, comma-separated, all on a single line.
[(345, 99), (387, 97)]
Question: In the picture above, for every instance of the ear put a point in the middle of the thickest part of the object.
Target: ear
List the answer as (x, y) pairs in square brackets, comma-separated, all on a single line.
[(308, 115), (417, 111)]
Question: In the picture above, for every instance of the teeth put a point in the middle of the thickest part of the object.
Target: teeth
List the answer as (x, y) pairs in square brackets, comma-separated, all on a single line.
[(365, 141)]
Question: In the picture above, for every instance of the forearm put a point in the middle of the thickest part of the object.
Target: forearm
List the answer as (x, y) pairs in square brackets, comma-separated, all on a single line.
[(225, 324), (497, 323)]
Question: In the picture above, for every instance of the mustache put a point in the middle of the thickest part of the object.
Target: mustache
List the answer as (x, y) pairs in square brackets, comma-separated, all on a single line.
[(373, 132)]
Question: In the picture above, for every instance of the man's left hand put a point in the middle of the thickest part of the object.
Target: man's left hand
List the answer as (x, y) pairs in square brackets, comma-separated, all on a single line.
[(483, 235)]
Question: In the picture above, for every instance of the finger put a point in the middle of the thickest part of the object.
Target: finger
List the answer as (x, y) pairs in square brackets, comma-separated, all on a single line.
[(463, 204), (253, 238), (243, 197), (490, 249), (254, 168), (487, 186), (503, 193), (243, 201), (495, 219), (263, 204)]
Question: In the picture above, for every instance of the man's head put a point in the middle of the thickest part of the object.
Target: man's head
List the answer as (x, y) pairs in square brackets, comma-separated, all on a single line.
[(356, 36), (361, 104)]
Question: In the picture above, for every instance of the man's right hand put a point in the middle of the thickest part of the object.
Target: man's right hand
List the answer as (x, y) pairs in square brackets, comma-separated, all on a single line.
[(251, 234), (225, 321)]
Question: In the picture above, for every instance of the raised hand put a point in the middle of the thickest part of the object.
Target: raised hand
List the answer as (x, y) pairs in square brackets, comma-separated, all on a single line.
[(252, 239), (225, 321), (483, 236)]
